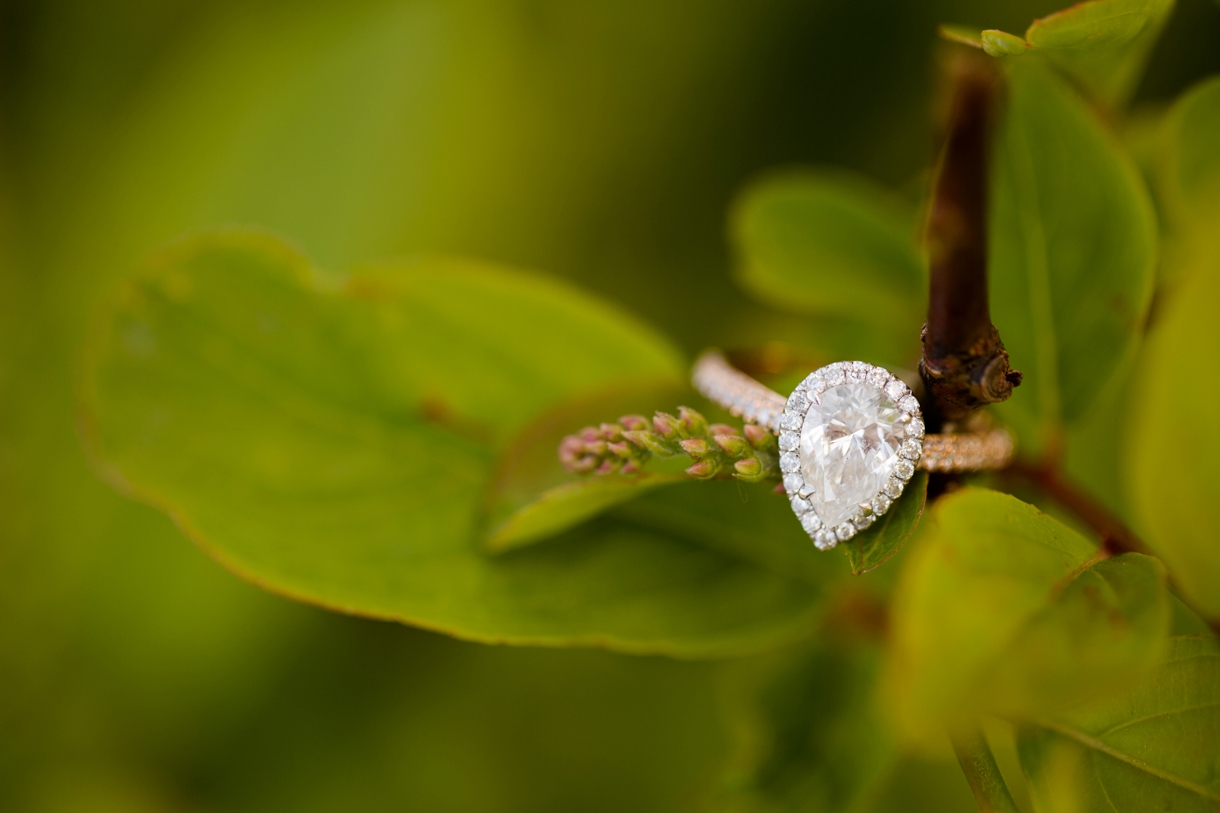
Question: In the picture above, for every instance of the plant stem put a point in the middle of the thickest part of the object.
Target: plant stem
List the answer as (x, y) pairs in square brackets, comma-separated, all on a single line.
[(964, 365), (982, 772)]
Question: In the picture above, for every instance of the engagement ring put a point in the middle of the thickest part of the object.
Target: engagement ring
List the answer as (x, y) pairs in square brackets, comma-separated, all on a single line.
[(850, 437)]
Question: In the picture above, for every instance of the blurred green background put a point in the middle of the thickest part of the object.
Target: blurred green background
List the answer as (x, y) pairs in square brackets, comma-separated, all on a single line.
[(599, 142)]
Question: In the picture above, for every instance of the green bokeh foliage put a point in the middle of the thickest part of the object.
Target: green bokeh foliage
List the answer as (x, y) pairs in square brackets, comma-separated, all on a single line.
[(601, 145)]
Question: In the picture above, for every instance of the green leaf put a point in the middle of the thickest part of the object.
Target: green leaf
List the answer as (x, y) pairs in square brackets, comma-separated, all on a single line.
[(1173, 485), (1072, 254), (830, 244), (873, 547), (1092, 24), (1174, 482), (329, 439), (1193, 188), (1154, 748), (565, 506), (1102, 45), (531, 496), (811, 734), (746, 521), (1003, 610)]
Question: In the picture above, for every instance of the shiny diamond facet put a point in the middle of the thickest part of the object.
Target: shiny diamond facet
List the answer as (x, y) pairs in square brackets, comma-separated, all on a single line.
[(849, 447)]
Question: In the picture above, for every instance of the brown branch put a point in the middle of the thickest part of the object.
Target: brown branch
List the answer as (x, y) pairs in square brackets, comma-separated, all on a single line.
[(964, 365)]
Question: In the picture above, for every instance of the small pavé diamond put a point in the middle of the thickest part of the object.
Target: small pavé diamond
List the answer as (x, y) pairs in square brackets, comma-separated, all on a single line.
[(845, 531), (879, 378), (789, 462), (881, 504), (915, 428), (801, 505), (864, 520), (904, 470), (793, 483), (825, 540), (909, 404), (910, 449), (788, 441), (894, 488), (834, 377), (798, 401), (791, 420), (896, 390), (811, 523)]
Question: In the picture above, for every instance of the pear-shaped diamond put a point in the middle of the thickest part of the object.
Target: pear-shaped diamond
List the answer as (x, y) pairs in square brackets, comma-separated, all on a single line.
[(850, 442)]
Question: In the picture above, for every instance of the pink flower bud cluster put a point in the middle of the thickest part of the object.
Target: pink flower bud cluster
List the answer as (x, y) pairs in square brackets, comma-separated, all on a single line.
[(718, 450)]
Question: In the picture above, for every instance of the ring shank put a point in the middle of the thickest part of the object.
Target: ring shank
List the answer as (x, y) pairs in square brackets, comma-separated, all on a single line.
[(720, 382)]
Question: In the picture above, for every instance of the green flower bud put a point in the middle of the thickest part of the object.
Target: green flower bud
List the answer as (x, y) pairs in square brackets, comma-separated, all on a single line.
[(612, 432), (733, 446), (690, 423), (665, 425), (621, 449), (703, 470), (695, 447), (750, 469), (649, 442)]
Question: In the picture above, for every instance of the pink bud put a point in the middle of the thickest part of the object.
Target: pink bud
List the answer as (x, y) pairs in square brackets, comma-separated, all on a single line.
[(584, 465), (722, 429), (703, 469), (695, 447), (665, 425), (570, 449), (756, 434), (691, 422), (609, 466), (750, 467), (732, 445), (621, 449), (634, 423)]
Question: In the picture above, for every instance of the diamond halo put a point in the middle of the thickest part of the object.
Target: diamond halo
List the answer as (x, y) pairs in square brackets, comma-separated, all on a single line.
[(849, 400)]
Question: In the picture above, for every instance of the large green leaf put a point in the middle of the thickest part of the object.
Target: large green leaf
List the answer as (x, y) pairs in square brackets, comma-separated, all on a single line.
[(1173, 484), (1154, 748), (1192, 188), (1102, 45), (812, 734), (829, 244), (813, 738), (329, 439), (1073, 247), (1003, 610), (532, 497)]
